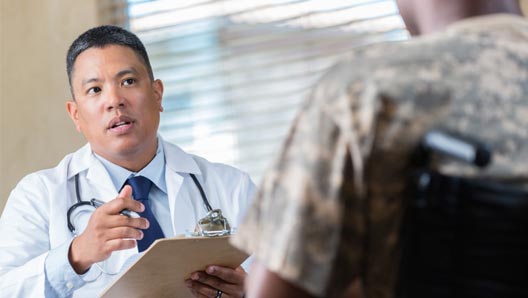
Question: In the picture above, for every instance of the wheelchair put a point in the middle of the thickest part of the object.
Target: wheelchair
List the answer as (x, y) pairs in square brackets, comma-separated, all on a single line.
[(462, 237)]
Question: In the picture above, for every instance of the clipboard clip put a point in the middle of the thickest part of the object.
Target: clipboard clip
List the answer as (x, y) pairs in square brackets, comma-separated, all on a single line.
[(212, 225)]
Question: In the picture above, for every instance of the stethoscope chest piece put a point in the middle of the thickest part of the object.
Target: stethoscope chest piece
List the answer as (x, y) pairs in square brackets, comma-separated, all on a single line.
[(213, 224)]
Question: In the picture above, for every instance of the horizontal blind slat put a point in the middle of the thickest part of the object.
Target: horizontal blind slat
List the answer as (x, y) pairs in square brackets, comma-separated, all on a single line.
[(235, 8), (235, 71)]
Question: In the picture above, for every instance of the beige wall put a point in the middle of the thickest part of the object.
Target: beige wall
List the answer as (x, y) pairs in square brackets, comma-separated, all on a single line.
[(524, 6), (35, 131)]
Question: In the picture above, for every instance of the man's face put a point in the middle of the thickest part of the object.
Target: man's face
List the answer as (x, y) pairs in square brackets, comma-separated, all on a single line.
[(116, 104)]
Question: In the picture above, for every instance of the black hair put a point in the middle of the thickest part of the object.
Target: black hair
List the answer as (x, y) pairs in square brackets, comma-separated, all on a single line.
[(102, 36)]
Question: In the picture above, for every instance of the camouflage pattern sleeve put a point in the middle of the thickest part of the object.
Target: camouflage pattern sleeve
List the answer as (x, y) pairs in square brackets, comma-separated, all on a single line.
[(311, 220), (295, 224)]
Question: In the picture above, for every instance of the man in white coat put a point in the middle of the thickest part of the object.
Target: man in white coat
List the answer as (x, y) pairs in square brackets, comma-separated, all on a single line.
[(47, 251)]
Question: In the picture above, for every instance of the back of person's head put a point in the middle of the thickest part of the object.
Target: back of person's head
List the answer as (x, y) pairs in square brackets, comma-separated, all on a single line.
[(100, 37)]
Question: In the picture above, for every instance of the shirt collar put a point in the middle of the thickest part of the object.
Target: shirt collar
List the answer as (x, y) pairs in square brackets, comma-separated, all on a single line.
[(154, 170)]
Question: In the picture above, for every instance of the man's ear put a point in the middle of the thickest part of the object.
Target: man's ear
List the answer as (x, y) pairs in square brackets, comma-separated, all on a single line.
[(73, 112), (158, 92)]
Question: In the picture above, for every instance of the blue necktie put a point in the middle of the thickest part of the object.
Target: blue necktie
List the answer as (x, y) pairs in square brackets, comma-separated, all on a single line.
[(140, 190)]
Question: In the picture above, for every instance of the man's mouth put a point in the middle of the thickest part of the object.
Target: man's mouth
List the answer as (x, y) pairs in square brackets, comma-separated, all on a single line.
[(120, 124)]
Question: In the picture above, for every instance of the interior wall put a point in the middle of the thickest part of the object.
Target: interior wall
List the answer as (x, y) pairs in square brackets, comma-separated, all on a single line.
[(35, 131), (524, 6)]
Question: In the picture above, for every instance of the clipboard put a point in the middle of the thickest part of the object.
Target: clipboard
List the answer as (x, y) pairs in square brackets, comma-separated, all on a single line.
[(162, 270)]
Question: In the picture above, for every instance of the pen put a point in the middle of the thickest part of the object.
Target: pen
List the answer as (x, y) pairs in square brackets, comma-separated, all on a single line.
[(97, 203)]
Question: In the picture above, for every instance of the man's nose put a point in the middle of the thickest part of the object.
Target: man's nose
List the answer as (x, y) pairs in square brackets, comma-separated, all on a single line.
[(115, 99)]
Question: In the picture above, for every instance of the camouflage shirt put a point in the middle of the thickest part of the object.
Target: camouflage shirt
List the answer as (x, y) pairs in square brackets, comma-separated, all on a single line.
[(344, 165)]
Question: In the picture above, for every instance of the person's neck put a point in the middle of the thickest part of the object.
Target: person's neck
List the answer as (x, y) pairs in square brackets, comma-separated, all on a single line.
[(134, 161), (136, 164), (436, 15)]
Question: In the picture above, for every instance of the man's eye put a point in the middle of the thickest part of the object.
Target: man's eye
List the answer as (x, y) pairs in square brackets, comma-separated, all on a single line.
[(94, 90), (129, 82)]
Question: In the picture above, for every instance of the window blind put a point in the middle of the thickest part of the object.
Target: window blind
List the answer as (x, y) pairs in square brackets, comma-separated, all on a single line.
[(235, 71)]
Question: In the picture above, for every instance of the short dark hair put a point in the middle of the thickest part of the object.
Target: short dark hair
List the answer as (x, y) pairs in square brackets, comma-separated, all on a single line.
[(102, 36)]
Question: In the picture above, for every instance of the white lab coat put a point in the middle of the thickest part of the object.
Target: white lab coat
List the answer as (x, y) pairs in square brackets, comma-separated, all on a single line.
[(34, 220)]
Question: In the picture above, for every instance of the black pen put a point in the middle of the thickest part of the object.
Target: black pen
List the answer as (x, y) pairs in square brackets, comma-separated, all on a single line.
[(96, 203)]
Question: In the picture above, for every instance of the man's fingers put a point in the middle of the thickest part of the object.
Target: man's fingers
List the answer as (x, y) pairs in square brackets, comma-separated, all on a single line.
[(126, 192), (212, 281), (128, 201), (227, 274), (119, 220), (201, 290), (120, 244), (108, 231), (207, 284), (123, 201), (125, 221), (124, 233)]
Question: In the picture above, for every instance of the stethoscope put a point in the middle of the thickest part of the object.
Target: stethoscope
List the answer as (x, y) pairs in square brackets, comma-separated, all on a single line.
[(92, 203)]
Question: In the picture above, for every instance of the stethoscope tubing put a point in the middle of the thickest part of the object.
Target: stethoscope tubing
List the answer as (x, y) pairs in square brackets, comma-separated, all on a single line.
[(90, 203)]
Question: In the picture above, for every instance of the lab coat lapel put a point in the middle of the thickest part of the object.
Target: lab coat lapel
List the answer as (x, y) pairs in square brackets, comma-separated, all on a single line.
[(94, 180), (99, 181), (178, 160), (178, 165), (174, 183)]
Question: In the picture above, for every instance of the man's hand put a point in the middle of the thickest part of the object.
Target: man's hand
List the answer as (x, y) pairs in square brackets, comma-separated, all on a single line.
[(107, 231), (207, 283)]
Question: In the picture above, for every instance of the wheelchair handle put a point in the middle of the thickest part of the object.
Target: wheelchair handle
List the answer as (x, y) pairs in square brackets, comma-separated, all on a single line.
[(463, 149)]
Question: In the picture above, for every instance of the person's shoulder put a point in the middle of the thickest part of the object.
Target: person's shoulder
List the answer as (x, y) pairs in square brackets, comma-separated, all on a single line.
[(366, 62), (458, 42), (223, 175), (206, 167), (49, 177), (60, 171), (219, 168), (392, 68)]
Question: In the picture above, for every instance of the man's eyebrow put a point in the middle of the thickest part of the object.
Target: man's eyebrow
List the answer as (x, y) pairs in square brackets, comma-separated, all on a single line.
[(126, 71), (121, 73), (88, 81)]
